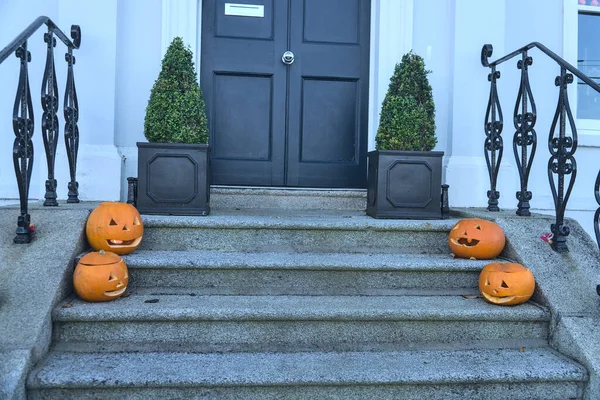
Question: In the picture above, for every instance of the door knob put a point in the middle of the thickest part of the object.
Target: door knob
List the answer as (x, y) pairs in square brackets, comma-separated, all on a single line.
[(288, 57)]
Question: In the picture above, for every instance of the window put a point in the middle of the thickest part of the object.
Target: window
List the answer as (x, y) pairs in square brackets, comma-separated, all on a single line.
[(588, 58)]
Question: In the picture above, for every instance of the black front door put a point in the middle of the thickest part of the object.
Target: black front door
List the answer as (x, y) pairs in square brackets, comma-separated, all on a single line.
[(301, 121)]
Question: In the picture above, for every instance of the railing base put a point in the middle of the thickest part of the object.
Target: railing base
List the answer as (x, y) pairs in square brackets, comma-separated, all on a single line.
[(523, 209), (73, 192), (560, 246), (23, 230), (50, 195)]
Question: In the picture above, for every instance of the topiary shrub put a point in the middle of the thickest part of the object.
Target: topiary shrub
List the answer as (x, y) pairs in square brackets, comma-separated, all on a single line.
[(407, 119), (176, 112)]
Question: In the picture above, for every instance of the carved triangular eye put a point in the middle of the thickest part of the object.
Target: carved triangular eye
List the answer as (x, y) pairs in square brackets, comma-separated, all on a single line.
[(487, 282), (112, 277), (478, 227), (136, 221), (112, 222), (504, 285)]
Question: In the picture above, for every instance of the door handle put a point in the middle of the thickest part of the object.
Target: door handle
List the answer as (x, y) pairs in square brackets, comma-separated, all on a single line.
[(288, 57)]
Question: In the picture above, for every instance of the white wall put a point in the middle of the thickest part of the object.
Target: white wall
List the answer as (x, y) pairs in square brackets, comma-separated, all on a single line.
[(433, 39), (139, 57)]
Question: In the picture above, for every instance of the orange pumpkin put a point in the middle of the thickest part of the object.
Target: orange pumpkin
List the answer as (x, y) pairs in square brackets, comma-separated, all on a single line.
[(115, 227), (506, 283), (100, 276), (476, 238)]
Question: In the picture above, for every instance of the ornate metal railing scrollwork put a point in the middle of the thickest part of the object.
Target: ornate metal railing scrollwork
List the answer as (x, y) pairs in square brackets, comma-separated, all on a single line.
[(525, 136), (562, 140), (562, 161), (71, 112), (50, 118), (23, 126), (23, 121), (493, 146)]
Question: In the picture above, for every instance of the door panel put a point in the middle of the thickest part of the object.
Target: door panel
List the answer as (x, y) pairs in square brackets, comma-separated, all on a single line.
[(244, 87), (328, 106), (328, 93), (273, 124), (247, 135)]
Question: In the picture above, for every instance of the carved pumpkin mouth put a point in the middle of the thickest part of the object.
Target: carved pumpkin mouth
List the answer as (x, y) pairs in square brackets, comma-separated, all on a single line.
[(465, 242), (123, 243), (497, 300), (115, 293)]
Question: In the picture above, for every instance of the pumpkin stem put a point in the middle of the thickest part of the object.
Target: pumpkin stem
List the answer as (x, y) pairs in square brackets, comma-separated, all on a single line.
[(101, 252)]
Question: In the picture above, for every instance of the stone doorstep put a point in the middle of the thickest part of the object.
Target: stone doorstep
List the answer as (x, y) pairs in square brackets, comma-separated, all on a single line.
[(490, 373)]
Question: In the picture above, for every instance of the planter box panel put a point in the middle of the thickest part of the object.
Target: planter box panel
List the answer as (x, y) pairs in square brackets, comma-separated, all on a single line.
[(404, 184), (173, 179)]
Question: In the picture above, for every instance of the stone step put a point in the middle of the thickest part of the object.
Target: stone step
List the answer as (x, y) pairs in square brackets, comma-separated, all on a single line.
[(215, 272), (538, 373), (295, 231), (223, 197), (143, 321)]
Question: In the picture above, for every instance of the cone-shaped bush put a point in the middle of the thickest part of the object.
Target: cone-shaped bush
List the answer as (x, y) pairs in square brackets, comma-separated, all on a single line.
[(407, 119), (176, 111)]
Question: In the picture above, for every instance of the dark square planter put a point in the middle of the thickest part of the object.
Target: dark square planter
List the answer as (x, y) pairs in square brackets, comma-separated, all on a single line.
[(405, 184), (173, 179)]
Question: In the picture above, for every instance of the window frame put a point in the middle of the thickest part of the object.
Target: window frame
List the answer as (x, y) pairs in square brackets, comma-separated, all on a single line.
[(588, 130)]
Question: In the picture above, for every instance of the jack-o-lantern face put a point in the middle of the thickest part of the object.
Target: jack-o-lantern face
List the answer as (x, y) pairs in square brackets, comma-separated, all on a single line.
[(100, 276), (115, 227), (506, 283), (476, 238)]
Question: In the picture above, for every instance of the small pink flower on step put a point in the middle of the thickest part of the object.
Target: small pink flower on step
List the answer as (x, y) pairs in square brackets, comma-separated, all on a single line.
[(547, 237)]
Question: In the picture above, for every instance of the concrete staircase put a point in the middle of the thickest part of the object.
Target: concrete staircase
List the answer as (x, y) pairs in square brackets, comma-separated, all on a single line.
[(296, 302)]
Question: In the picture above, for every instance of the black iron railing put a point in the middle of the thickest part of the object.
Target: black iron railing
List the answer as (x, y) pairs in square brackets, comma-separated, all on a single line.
[(562, 142), (23, 119)]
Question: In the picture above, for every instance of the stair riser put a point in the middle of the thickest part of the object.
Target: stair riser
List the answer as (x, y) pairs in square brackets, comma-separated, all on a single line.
[(220, 199), (289, 281), (288, 336), (308, 240), (513, 391)]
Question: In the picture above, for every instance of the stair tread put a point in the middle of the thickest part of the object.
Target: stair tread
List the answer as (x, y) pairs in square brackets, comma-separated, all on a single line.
[(291, 260), (89, 370), (215, 307), (295, 219)]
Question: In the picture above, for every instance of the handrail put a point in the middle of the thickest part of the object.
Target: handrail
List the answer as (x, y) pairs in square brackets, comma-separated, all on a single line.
[(562, 138), (24, 121), (487, 50), (30, 30)]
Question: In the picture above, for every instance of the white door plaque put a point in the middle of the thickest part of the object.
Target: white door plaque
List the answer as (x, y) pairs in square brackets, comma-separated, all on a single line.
[(245, 10)]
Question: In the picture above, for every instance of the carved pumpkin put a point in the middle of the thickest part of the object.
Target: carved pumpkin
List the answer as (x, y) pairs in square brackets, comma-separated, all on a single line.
[(100, 276), (476, 238), (506, 283), (115, 227)]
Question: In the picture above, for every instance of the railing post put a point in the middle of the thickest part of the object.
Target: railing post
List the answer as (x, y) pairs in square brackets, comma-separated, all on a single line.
[(71, 112), (524, 121), (493, 146), (23, 127), (562, 161), (49, 118)]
